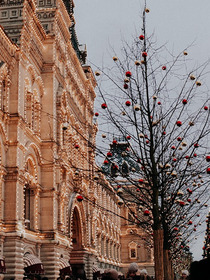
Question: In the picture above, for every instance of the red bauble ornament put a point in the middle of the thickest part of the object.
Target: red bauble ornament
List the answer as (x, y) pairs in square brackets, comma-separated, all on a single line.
[(179, 123), (205, 108), (125, 86), (195, 155), (173, 147), (184, 101), (174, 159), (189, 191), (114, 141), (176, 229), (146, 212), (190, 223), (208, 170), (76, 146), (109, 154), (164, 67), (196, 145), (128, 74), (187, 157), (208, 158), (189, 200), (141, 180), (128, 137), (115, 166), (164, 133), (182, 203), (144, 54), (141, 37), (159, 103), (96, 114), (106, 161), (79, 198), (179, 139), (128, 103), (147, 141), (103, 106)]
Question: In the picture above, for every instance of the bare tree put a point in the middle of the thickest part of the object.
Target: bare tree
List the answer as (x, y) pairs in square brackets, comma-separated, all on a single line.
[(160, 109)]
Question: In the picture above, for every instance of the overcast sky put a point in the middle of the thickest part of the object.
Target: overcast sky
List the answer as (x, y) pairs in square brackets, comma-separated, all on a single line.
[(101, 24)]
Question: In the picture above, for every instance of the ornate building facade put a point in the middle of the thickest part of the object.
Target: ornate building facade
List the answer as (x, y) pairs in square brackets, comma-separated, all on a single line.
[(47, 135)]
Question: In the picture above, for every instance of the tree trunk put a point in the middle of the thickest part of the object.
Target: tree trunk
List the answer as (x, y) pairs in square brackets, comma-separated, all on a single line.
[(158, 254), (168, 271)]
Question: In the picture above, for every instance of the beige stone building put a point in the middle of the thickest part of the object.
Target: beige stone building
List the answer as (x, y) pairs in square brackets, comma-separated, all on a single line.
[(47, 139)]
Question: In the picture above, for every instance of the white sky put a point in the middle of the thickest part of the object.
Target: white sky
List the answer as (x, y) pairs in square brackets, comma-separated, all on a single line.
[(101, 24)]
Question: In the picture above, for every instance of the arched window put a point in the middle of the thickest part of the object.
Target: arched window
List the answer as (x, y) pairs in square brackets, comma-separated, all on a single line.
[(28, 203), (132, 250), (31, 197)]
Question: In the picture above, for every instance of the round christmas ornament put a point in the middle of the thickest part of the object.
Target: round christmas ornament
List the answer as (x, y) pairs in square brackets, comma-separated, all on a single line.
[(208, 158), (192, 77), (164, 67), (189, 191), (179, 139), (106, 161), (103, 135), (128, 103), (198, 83), (79, 198), (114, 141), (185, 53), (181, 203), (208, 170), (128, 137), (137, 107), (147, 10), (196, 145), (179, 123), (97, 73), (184, 101), (125, 86), (141, 37), (76, 146), (137, 62), (159, 103), (96, 114), (144, 54), (115, 58), (109, 154), (173, 147), (146, 212), (128, 74), (103, 106), (205, 108), (126, 80), (141, 181)]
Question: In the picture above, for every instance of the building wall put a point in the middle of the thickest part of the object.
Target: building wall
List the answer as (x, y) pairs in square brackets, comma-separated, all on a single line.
[(47, 135)]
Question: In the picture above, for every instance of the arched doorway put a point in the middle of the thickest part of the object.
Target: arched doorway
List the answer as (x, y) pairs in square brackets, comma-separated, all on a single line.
[(77, 254)]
